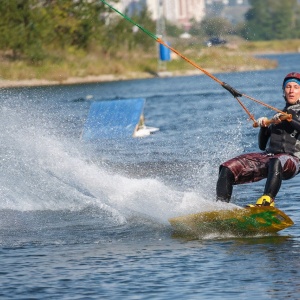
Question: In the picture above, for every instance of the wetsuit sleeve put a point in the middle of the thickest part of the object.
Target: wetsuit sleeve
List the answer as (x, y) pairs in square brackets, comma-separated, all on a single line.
[(296, 119), (263, 137)]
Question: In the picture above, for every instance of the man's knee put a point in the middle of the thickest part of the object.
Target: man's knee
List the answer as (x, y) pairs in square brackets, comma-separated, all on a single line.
[(225, 172), (275, 166), (224, 184)]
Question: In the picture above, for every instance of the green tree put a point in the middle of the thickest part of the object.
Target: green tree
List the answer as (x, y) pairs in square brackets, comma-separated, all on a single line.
[(30, 28), (145, 20), (296, 23), (271, 19), (73, 23), (172, 29), (21, 27), (216, 26), (122, 34), (197, 29)]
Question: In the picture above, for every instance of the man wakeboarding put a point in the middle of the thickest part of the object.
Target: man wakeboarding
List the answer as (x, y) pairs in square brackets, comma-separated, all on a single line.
[(280, 159)]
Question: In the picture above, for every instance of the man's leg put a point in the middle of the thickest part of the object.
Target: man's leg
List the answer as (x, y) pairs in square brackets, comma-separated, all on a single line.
[(245, 168), (274, 178), (273, 183), (225, 184)]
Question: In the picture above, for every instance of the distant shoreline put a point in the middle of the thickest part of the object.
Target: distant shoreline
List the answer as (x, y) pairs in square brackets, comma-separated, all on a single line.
[(70, 81), (241, 58), (106, 78), (127, 76)]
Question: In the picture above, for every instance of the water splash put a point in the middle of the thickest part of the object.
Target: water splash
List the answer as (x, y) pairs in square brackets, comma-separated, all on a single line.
[(41, 170)]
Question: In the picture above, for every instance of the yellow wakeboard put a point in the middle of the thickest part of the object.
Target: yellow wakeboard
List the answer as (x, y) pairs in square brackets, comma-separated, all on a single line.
[(244, 221)]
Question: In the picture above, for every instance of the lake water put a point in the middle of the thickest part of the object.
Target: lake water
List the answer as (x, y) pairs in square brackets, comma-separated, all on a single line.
[(90, 220)]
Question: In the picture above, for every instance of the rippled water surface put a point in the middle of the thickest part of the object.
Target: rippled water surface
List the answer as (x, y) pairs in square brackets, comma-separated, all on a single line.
[(85, 220)]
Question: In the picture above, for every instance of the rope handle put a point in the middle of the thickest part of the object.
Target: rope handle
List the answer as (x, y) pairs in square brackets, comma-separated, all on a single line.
[(285, 117)]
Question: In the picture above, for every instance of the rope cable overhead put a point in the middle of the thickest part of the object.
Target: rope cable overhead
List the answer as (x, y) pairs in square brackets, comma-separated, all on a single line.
[(226, 86)]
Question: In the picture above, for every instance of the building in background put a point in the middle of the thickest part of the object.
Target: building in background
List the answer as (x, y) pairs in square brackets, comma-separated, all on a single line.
[(179, 12), (182, 12)]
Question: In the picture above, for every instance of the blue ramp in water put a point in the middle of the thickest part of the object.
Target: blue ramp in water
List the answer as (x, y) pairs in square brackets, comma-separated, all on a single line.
[(113, 119)]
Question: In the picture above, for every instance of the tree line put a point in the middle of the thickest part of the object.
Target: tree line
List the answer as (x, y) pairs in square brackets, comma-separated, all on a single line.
[(31, 29), (272, 19), (265, 20)]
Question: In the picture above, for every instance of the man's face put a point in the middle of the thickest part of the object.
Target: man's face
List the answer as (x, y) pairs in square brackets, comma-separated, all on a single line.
[(292, 92)]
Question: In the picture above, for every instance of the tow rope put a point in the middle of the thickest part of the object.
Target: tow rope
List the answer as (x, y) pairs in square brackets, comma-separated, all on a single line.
[(231, 90)]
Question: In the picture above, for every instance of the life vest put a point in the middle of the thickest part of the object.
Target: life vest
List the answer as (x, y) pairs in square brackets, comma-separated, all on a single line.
[(284, 138)]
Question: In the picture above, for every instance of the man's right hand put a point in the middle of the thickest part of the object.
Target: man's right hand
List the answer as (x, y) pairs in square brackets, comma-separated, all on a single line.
[(261, 122)]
